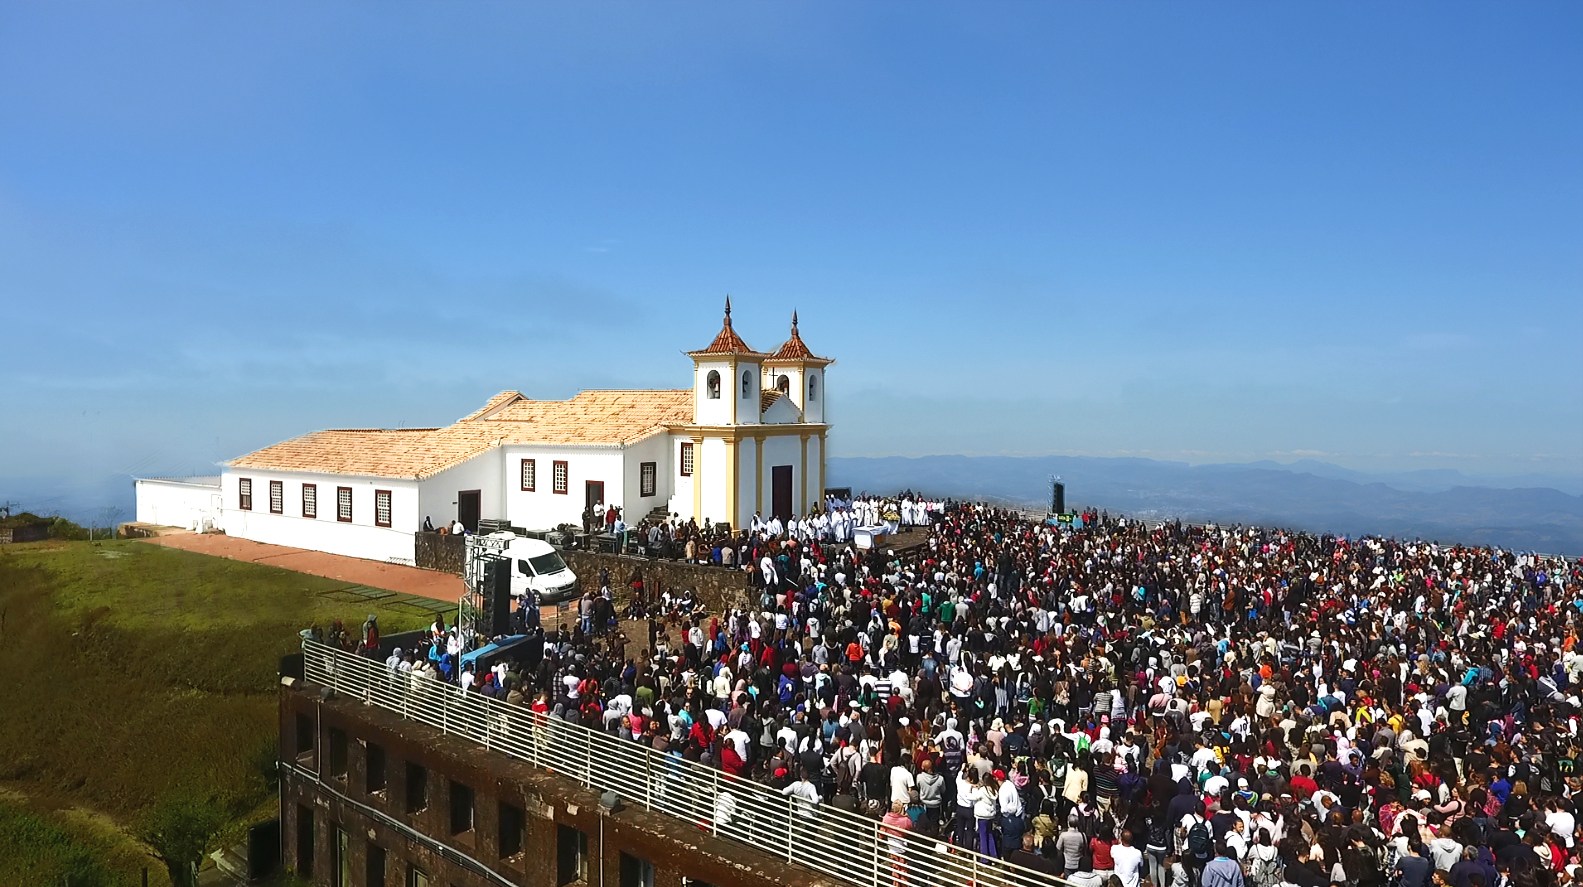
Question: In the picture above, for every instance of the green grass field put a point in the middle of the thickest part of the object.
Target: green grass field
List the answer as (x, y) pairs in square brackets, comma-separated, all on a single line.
[(136, 671)]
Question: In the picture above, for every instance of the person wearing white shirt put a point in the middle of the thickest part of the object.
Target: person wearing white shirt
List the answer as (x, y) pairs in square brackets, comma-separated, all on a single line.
[(901, 782), (617, 708), (1013, 821), (1128, 860), (1237, 839), (1561, 822)]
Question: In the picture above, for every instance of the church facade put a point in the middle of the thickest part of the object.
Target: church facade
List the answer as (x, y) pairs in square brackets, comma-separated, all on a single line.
[(748, 437)]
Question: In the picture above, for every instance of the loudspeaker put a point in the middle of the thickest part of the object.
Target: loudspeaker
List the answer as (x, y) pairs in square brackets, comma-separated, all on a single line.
[(1058, 498), (496, 615)]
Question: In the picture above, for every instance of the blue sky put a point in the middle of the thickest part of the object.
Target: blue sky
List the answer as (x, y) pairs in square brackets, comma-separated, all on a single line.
[(1212, 232)]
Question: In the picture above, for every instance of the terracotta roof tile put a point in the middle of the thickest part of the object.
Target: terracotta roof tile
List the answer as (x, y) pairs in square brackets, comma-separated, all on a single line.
[(495, 403), (372, 452), (794, 348), (727, 341), (768, 397), (592, 417), (610, 418)]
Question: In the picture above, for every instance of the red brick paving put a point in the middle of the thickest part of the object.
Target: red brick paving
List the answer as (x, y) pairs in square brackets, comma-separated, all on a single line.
[(374, 574)]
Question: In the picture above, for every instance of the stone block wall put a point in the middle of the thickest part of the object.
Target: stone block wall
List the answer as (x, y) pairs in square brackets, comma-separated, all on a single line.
[(718, 588)]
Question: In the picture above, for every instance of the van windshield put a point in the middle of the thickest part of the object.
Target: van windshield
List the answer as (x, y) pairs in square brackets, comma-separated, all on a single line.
[(548, 563)]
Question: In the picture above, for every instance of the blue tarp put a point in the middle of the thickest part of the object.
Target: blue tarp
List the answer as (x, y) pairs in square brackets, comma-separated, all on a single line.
[(494, 650)]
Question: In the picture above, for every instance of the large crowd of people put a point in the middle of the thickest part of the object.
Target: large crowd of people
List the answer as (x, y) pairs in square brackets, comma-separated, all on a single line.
[(1127, 702), (835, 521)]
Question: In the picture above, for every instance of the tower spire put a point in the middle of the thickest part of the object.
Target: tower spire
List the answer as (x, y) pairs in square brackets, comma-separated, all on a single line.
[(728, 309), (794, 321)]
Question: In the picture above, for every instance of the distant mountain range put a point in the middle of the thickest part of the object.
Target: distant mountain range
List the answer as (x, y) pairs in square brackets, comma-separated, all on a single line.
[(1529, 513), (1521, 513)]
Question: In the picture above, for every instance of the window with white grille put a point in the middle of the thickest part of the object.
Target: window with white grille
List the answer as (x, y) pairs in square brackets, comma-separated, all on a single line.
[(381, 508), (648, 476), (560, 477), (530, 475)]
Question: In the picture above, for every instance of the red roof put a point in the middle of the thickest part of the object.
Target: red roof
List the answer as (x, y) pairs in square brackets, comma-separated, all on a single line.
[(794, 348), (727, 342)]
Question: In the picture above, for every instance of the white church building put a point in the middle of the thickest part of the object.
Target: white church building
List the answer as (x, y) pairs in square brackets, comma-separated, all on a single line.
[(749, 437)]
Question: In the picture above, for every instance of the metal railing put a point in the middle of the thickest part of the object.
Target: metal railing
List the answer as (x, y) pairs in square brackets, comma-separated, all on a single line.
[(833, 842)]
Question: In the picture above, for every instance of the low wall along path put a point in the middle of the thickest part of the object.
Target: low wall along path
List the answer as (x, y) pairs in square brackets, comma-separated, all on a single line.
[(718, 589)]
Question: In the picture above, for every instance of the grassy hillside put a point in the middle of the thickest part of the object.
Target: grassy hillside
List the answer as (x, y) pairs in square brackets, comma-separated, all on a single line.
[(136, 671)]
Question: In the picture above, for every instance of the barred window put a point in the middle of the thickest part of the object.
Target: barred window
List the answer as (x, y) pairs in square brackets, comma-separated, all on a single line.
[(343, 504), (530, 475), (244, 493), (277, 497), (310, 500), (381, 508), (560, 477), (687, 459), (647, 478)]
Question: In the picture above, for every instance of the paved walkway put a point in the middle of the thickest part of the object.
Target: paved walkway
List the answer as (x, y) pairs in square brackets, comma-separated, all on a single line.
[(374, 574)]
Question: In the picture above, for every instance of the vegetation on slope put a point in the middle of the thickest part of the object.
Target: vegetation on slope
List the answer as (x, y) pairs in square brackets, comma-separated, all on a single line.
[(139, 673)]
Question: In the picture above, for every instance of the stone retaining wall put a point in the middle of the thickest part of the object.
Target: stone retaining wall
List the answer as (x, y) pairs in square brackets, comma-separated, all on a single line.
[(718, 588)]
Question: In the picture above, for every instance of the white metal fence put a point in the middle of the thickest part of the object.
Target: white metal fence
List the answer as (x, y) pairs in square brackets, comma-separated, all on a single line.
[(833, 842)]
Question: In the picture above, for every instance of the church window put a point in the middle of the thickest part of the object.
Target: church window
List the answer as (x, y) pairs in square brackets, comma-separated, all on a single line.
[(813, 387), (381, 508), (712, 386), (648, 478), (747, 384), (530, 475), (783, 385), (343, 504), (558, 477), (310, 500), (687, 458), (277, 497), (244, 493)]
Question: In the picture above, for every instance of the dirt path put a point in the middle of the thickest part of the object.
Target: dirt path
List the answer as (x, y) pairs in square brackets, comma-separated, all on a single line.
[(374, 574)]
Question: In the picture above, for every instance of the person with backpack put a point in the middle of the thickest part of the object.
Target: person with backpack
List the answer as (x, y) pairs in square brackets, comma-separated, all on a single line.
[(1195, 842), (1262, 863)]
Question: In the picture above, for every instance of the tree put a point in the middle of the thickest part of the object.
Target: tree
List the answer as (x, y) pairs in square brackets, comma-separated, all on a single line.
[(177, 830)]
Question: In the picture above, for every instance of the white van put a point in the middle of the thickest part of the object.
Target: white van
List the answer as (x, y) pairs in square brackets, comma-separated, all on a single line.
[(536, 566)]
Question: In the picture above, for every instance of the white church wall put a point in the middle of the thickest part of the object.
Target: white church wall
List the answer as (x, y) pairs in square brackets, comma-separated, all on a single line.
[(782, 450), (710, 471), (439, 494), (794, 383), (657, 449), (746, 390), (815, 457), (359, 537), (713, 410), (681, 501), (747, 471), (543, 508), (782, 412), (188, 503), (812, 399)]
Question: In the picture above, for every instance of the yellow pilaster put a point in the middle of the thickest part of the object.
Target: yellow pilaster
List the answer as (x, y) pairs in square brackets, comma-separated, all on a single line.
[(698, 479), (758, 474), (802, 476), (820, 491)]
